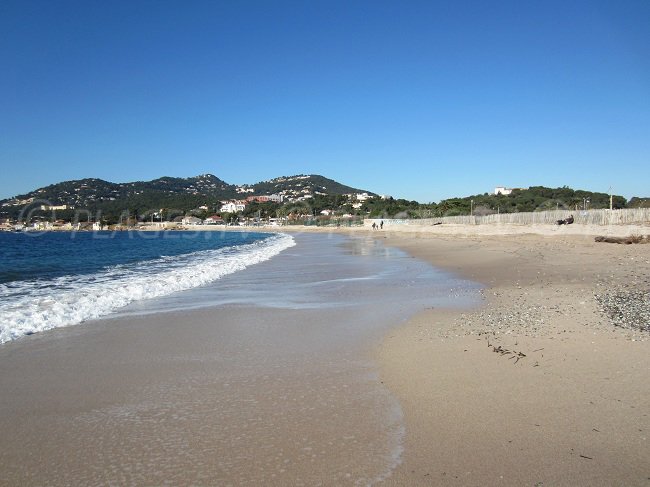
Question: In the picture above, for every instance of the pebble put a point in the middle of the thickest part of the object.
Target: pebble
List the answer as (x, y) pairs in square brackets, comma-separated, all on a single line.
[(625, 308)]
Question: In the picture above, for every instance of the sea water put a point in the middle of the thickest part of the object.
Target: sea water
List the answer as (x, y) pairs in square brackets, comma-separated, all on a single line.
[(55, 279), (325, 271)]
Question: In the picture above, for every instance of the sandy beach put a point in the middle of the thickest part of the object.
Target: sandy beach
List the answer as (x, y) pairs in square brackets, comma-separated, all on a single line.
[(543, 380), (537, 386), (263, 377)]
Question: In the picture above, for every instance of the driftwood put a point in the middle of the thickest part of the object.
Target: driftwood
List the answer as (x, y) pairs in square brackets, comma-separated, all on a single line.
[(634, 239), (566, 221)]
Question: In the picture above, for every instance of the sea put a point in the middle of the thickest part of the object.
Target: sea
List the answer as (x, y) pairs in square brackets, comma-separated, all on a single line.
[(56, 279)]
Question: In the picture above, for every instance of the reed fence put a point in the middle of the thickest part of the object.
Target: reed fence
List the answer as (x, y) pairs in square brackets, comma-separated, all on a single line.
[(589, 217)]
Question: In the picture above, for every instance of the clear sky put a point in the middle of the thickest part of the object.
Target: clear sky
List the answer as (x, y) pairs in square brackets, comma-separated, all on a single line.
[(419, 100)]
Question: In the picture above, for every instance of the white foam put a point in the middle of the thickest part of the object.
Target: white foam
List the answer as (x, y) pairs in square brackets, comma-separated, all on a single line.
[(28, 307)]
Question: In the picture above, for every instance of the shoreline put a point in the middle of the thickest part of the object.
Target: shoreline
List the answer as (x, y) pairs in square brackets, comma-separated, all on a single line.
[(534, 387), (272, 388), (407, 227)]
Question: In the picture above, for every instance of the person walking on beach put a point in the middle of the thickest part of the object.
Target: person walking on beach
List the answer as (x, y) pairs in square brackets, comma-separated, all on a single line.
[(381, 225), (374, 226)]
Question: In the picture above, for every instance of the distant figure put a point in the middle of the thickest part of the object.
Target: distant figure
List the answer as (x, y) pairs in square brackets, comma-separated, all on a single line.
[(374, 226), (381, 225)]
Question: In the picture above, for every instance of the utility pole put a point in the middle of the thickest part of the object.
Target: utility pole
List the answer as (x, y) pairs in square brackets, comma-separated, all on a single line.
[(611, 199)]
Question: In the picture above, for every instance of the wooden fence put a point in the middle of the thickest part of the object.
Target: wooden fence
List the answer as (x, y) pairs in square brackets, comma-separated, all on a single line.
[(590, 217)]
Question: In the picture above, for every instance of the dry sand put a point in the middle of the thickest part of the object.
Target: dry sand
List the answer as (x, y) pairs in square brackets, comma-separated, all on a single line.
[(564, 401)]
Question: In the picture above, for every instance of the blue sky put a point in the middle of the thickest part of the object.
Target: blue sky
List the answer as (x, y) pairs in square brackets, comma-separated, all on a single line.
[(420, 100)]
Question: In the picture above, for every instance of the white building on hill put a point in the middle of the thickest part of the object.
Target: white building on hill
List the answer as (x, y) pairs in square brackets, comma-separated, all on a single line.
[(505, 191), (232, 206)]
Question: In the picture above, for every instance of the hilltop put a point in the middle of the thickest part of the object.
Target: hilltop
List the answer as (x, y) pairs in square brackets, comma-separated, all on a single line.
[(181, 194)]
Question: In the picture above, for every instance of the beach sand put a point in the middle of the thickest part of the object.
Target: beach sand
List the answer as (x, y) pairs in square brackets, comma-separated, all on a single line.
[(565, 400), (192, 398), (272, 382), (149, 400)]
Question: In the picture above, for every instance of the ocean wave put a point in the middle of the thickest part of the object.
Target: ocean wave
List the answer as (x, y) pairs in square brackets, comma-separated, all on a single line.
[(28, 307)]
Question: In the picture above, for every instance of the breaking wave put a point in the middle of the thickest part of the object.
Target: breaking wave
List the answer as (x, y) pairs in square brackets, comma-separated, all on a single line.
[(30, 306)]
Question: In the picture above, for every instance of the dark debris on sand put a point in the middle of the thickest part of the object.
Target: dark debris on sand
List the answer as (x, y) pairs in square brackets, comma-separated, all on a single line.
[(634, 239)]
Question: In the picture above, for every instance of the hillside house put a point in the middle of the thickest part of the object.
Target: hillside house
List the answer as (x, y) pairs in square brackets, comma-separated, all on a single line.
[(275, 198), (259, 199), (232, 206), (54, 207), (506, 191)]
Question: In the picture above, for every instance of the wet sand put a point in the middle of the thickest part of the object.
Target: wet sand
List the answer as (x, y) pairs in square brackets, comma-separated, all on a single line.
[(535, 387), (192, 399), (275, 386)]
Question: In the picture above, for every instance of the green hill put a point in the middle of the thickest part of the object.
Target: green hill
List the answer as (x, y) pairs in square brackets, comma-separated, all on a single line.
[(143, 198), (309, 194), (535, 198)]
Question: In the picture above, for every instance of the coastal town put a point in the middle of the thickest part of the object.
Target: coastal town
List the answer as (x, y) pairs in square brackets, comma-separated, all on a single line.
[(229, 212)]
